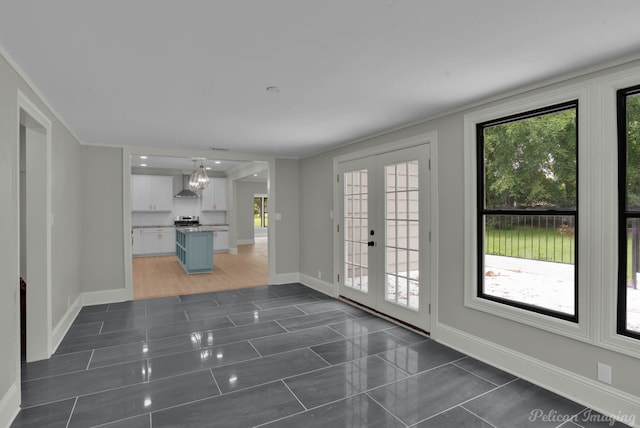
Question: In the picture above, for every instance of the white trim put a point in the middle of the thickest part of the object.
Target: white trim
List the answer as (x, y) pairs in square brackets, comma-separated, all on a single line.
[(588, 255), (403, 143), (600, 397), (607, 335), (105, 296), (273, 225), (285, 278), (41, 321), (233, 250), (61, 329), (126, 222), (318, 285), (10, 405), (434, 261)]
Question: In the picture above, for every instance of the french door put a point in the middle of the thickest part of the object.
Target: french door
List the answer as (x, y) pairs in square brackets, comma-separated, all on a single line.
[(384, 233)]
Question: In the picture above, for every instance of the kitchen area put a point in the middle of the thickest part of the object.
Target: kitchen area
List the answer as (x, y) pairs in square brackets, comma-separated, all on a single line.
[(183, 230), (157, 208)]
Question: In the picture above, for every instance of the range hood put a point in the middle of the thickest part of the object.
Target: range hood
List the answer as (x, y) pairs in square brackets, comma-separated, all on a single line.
[(186, 192)]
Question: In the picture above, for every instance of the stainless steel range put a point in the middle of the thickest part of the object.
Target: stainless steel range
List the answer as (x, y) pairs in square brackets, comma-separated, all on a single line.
[(187, 220)]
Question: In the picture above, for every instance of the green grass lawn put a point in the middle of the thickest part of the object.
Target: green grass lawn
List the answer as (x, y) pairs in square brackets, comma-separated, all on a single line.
[(256, 220), (531, 243)]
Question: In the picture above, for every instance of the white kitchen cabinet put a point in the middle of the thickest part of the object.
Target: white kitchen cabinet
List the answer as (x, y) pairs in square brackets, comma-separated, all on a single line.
[(151, 193), (159, 240), (214, 196), (168, 244), (137, 241), (221, 241)]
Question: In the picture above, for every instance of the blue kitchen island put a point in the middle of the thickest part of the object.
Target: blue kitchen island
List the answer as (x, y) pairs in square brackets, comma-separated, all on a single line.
[(194, 249)]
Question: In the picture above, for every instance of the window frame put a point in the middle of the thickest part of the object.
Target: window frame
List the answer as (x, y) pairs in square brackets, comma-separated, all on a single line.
[(541, 99), (623, 214), (483, 211)]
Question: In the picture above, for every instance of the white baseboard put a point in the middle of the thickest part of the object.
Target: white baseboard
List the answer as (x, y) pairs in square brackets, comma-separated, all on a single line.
[(9, 405), (245, 241), (60, 330), (588, 392), (84, 299), (106, 296), (286, 278), (318, 285)]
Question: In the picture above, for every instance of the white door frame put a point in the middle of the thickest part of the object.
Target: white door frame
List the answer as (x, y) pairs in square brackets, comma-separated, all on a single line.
[(39, 323), (430, 138)]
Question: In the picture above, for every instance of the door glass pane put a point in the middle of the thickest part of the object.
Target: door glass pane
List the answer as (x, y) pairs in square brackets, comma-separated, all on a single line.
[(391, 292), (403, 233), (413, 175), (355, 233), (414, 236), (391, 234)]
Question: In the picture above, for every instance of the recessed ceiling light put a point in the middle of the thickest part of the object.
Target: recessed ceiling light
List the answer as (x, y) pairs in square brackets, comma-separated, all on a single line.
[(143, 164), (274, 89), (207, 168), (255, 175), (217, 162), (143, 157)]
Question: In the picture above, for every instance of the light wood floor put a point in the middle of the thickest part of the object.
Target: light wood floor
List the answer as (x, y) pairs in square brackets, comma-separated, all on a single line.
[(161, 276)]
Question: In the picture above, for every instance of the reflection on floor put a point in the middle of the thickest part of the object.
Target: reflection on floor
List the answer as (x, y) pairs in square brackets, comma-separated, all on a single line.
[(273, 356), (160, 276)]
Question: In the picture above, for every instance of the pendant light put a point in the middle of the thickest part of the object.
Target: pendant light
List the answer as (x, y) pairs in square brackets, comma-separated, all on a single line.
[(198, 179)]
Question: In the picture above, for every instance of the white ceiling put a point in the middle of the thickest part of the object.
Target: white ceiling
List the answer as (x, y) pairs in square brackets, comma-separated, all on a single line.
[(185, 164), (193, 73), (140, 164)]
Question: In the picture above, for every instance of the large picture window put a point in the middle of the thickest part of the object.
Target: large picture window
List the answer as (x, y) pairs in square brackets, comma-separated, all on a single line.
[(629, 211), (528, 210)]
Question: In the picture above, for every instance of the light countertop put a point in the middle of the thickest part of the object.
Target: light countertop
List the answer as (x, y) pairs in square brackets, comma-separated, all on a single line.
[(193, 229), (216, 226)]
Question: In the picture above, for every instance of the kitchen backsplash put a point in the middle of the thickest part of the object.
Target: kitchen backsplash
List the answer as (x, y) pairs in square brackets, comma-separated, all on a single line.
[(182, 206)]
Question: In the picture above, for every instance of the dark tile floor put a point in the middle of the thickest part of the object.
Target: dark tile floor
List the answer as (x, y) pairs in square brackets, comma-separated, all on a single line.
[(272, 356)]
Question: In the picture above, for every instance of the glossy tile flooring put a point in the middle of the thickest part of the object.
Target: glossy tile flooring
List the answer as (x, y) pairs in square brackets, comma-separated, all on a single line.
[(271, 356)]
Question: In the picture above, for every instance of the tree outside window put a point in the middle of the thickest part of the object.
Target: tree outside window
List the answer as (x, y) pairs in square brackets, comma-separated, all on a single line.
[(260, 211), (527, 210), (629, 211)]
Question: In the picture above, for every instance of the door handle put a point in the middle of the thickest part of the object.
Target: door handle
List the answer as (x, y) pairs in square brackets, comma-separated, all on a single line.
[(371, 243)]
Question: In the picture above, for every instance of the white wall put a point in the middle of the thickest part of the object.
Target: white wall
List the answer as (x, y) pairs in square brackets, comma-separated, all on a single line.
[(66, 238), (67, 211), (316, 224), (102, 266), (288, 228), (552, 353), (244, 208)]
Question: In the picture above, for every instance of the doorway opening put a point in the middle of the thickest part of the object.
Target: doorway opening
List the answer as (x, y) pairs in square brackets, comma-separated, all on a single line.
[(34, 184), (226, 205)]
